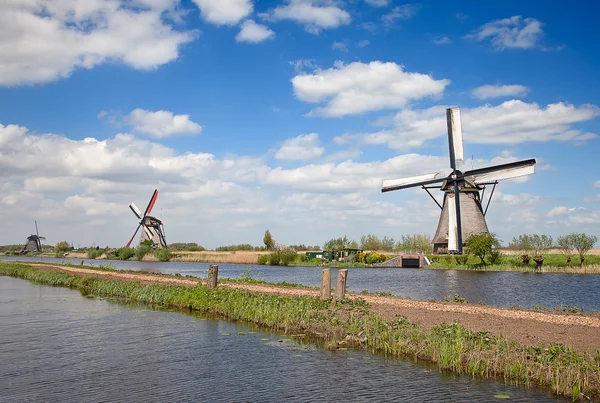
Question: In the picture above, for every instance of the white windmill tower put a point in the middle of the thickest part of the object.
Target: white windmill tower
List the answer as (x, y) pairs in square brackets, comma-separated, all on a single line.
[(462, 214), (152, 227)]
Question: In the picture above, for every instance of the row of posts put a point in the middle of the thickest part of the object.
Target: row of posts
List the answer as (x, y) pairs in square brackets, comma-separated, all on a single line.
[(340, 287)]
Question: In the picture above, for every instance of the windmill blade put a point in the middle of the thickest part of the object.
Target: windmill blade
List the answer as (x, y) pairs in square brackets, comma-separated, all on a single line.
[(134, 234), (151, 203), (388, 185), (149, 232), (135, 210), (455, 137), (452, 224), (501, 172)]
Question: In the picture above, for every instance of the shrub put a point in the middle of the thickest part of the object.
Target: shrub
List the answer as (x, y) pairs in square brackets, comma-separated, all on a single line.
[(162, 254), (94, 253), (287, 256), (140, 251), (481, 245), (126, 253), (263, 259), (461, 259), (274, 258), (496, 257)]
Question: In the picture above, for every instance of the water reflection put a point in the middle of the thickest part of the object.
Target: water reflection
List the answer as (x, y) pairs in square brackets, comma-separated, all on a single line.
[(59, 346)]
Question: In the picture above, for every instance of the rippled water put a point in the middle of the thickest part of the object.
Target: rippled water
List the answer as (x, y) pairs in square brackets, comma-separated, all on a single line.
[(505, 289), (57, 346)]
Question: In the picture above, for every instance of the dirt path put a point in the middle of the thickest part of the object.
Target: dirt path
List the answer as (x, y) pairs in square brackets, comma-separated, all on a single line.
[(581, 331)]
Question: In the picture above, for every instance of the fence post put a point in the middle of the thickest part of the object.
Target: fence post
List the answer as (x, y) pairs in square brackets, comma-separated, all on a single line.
[(213, 274), (340, 287), (326, 284)]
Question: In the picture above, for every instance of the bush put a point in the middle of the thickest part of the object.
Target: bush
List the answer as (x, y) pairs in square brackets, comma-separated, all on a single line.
[(126, 253), (263, 259), (287, 256), (141, 251), (274, 258), (461, 259), (94, 253), (496, 257), (163, 254), (375, 258)]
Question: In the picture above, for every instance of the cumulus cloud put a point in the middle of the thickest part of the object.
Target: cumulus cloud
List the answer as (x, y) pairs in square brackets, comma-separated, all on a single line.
[(161, 124), (224, 12), (574, 216), (252, 32), (358, 87), (442, 40), (44, 41), (341, 46), (499, 91), (403, 12), (513, 32), (303, 147), (315, 15), (512, 122), (378, 3)]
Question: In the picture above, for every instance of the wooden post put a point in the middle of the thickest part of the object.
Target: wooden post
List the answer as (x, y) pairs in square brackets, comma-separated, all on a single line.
[(213, 274), (340, 287), (326, 284)]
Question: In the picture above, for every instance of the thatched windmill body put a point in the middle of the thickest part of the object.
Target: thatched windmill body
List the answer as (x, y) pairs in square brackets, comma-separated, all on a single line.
[(152, 227), (462, 213), (34, 241)]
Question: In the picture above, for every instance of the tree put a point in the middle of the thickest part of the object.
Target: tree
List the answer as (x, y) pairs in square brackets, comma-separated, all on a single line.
[(62, 246), (565, 244), (415, 243), (370, 242), (268, 240), (481, 245), (539, 244), (583, 243), (523, 244)]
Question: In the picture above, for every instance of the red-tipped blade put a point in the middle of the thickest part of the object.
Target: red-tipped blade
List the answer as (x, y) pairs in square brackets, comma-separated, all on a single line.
[(134, 234), (151, 204)]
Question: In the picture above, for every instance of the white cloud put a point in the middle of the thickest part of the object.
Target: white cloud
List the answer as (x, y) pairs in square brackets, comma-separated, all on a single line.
[(303, 147), (359, 87), (499, 91), (363, 44), (378, 3), (341, 46), (574, 217), (315, 15), (597, 184), (43, 41), (442, 40), (513, 32), (254, 33), (302, 66), (224, 12), (403, 12), (512, 122), (161, 124)]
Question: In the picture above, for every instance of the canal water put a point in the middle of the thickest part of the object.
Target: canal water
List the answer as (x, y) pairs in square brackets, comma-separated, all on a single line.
[(504, 289), (58, 346)]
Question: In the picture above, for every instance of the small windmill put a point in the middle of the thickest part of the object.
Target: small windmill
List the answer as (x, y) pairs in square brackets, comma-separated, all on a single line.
[(34, 242), (152, 227), (462, 214)]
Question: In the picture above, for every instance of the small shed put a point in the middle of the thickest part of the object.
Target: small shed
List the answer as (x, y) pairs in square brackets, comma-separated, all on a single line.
[(323, 255)]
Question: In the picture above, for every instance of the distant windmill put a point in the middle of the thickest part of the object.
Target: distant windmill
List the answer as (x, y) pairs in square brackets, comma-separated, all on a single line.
[(152, 227), (462, 213), (34, 242)]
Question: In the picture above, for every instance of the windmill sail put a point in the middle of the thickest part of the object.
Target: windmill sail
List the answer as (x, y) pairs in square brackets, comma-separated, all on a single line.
[(455, 137), (501, 172), (396, 184), (452, 224), (151, 226)]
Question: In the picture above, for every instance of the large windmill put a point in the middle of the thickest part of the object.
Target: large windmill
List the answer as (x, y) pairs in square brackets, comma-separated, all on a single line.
[(152, 227), (34, 242), (462, 213)]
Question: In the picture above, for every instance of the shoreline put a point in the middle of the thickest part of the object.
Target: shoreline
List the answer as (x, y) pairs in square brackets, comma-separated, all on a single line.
[(389, 325)]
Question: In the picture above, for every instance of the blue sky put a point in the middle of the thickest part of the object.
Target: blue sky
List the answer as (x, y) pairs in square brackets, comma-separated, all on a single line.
[(248, 115)]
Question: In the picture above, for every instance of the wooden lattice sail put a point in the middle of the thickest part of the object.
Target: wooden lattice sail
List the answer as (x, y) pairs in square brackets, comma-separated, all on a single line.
[(462, 213)]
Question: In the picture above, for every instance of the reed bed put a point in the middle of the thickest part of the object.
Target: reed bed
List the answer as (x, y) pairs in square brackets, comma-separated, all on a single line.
[(240, 257), (350, 323)]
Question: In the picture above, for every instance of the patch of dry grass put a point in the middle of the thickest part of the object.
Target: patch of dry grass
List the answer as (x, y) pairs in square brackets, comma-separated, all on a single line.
[(241, 257)]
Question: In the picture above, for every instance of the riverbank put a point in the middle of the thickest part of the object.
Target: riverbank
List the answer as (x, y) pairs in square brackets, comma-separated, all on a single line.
[(477, 340)]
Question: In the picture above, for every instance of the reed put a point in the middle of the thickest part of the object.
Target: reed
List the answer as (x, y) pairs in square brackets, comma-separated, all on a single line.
[(240, 257), (350, 323)]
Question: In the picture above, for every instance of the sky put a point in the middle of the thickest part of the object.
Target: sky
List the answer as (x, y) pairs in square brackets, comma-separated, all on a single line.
[(286, 115)]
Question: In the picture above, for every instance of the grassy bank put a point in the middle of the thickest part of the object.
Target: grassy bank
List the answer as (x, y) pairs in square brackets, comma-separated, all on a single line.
[(350, 324)]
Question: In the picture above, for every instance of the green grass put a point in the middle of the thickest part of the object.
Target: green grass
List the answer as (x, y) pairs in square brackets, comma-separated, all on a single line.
[(347, 323)]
